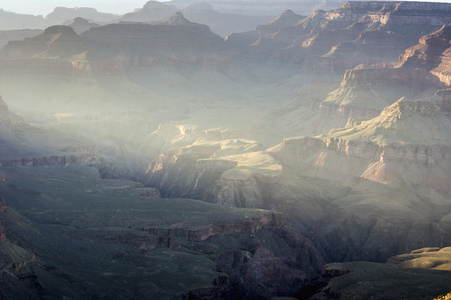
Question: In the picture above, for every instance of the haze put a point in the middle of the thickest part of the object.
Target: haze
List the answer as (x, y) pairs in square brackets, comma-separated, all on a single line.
[(235, 151), (40, 7), (34, 7)]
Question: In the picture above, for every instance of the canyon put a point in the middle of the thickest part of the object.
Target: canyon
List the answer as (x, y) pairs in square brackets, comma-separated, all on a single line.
[(158, 156)]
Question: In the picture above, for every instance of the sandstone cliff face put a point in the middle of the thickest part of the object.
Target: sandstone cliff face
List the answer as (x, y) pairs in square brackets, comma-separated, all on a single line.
[(386, 76), (426, 148), (427, 54), (364, 93), (431, 54), (356, 33)]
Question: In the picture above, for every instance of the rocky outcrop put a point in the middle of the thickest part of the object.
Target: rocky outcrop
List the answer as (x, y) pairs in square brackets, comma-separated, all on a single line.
[(347, 111), (377, 158), (377, 88), (389, 76), (263, 268), (432, 54), (427, 54), (392, 280), (194, 172), (216, 228)]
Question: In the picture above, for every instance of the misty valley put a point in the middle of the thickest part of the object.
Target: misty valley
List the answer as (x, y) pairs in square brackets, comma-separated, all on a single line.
[(198, 151)]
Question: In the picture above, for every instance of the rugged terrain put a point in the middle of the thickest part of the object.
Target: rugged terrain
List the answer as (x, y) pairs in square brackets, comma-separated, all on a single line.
[(241, 166)]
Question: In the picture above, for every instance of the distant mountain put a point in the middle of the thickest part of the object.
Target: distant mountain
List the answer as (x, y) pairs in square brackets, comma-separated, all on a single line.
[(173, 34), (62, 14), (151, 11), (222, 23), (265, 7), (286, 19), (12, 21), (80, 25)]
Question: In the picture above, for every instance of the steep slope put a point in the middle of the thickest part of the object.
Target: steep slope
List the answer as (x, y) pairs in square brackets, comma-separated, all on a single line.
[(56, 41), (285, 19), (17, 35), (431, 54)]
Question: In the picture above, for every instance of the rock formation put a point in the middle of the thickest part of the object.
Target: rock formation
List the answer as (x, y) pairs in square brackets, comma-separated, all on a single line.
[(81, 25), (425, 268), (355, 33)]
